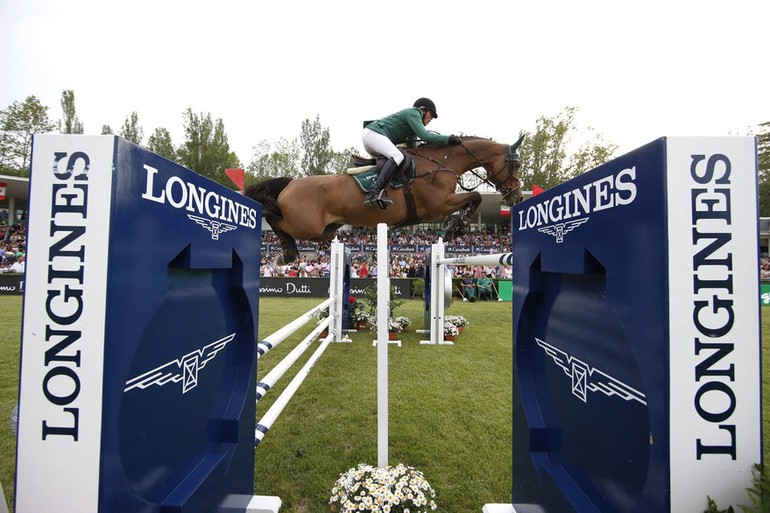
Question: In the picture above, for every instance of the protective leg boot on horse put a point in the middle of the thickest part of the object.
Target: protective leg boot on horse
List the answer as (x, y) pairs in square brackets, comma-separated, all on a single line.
[(377, 195)]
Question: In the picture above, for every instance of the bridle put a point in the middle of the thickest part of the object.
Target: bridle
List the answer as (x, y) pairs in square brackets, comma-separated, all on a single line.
[(511, 157)]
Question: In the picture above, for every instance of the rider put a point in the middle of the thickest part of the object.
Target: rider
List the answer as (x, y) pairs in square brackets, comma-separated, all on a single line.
[(380, 137)]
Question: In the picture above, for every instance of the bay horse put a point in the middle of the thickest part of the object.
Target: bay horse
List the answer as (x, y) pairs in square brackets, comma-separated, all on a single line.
[(312, 208)]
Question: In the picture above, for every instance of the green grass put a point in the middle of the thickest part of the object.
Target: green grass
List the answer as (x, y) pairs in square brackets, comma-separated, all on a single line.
[(450, 408), (450, 413), (10, 336)]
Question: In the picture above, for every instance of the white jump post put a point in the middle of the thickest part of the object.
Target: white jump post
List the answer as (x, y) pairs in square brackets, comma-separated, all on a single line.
[(332, 323), (336, 285), (383, 314), (441, 286)]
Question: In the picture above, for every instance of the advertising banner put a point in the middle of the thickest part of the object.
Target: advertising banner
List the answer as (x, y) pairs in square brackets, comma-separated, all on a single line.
[(319, 287), (637, 351), (138, 360)]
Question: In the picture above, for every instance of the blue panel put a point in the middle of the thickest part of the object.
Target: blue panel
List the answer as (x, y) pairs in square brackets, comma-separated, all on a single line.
[(590, 354), (182, 309)]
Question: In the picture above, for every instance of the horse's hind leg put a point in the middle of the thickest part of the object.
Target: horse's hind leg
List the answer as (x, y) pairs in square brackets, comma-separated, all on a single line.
[(288, 246)]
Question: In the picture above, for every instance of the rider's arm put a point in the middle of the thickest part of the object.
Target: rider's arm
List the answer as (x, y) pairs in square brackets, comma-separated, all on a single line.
[(414, 119)]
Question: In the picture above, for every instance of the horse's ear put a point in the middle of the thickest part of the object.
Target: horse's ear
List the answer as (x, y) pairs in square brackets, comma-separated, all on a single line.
[(512, 151)]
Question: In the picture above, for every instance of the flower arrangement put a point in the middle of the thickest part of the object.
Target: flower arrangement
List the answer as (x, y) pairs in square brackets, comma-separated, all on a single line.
[(399, 489), (402, 321), (457, 320), (394, 325), (450, 329)]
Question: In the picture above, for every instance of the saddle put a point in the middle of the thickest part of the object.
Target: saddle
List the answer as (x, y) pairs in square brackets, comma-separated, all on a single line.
[(366, 170)]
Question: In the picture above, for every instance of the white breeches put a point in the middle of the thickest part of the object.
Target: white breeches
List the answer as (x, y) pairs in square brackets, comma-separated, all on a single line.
[(377, 144)]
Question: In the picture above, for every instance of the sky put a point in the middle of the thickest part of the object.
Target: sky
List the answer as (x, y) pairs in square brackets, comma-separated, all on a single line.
[(635, 71)]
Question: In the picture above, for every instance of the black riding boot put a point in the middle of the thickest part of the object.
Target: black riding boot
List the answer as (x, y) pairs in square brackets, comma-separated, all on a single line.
[(376, 196)]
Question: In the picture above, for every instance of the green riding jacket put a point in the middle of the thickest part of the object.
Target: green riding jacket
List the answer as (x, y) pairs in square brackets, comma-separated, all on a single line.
[(404, 126)]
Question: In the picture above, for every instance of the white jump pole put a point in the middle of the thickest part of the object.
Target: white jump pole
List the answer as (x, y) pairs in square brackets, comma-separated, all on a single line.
[(281, 367), (267, 420), (383, 313), (285, 332)]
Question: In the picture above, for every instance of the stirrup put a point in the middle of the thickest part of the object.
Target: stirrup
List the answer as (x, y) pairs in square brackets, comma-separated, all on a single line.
[(379, 200)]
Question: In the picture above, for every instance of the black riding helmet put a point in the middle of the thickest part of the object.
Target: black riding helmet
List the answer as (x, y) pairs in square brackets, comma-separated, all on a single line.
[(426, 103)]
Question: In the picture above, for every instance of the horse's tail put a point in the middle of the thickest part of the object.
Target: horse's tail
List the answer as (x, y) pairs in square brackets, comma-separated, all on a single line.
[(267, 193)]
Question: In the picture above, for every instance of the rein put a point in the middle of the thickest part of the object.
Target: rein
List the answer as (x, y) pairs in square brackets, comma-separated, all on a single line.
[(432, 172), (510, 158)]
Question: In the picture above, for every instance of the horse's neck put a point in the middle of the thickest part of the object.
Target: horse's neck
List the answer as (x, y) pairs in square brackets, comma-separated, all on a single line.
[(478, 153), (461, 160)]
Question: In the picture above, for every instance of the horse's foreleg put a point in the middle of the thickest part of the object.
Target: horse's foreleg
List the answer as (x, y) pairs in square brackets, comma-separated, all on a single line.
[(462, 201), (468, 202)]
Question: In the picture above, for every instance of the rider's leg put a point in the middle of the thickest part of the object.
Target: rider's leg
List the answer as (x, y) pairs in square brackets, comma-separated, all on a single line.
[(376, 195), (377, 144)]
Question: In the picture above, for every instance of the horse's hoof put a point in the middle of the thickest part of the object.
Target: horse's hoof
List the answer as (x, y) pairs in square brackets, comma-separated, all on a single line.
[(450, 224)]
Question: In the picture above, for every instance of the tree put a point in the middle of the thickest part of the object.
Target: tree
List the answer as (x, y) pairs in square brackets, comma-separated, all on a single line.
[(341, 160), (590, 155), (205, 149), (311, 155), (107, 130), (131, 129), (70, 124), (18, 122), (160, 143), (7, 163), (269, 162), (544, 158), (317, 153), (763, 154)]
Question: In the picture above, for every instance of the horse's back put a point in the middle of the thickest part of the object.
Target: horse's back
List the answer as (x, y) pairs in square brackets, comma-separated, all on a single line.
[(311, 203), (319, 188)]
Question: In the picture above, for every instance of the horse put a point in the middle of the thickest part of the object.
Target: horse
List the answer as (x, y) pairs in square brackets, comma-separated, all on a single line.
[(312, 208)]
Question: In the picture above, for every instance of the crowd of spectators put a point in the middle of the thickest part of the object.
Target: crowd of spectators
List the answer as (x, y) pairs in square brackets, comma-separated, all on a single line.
[(402, 265), (13, 241)]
